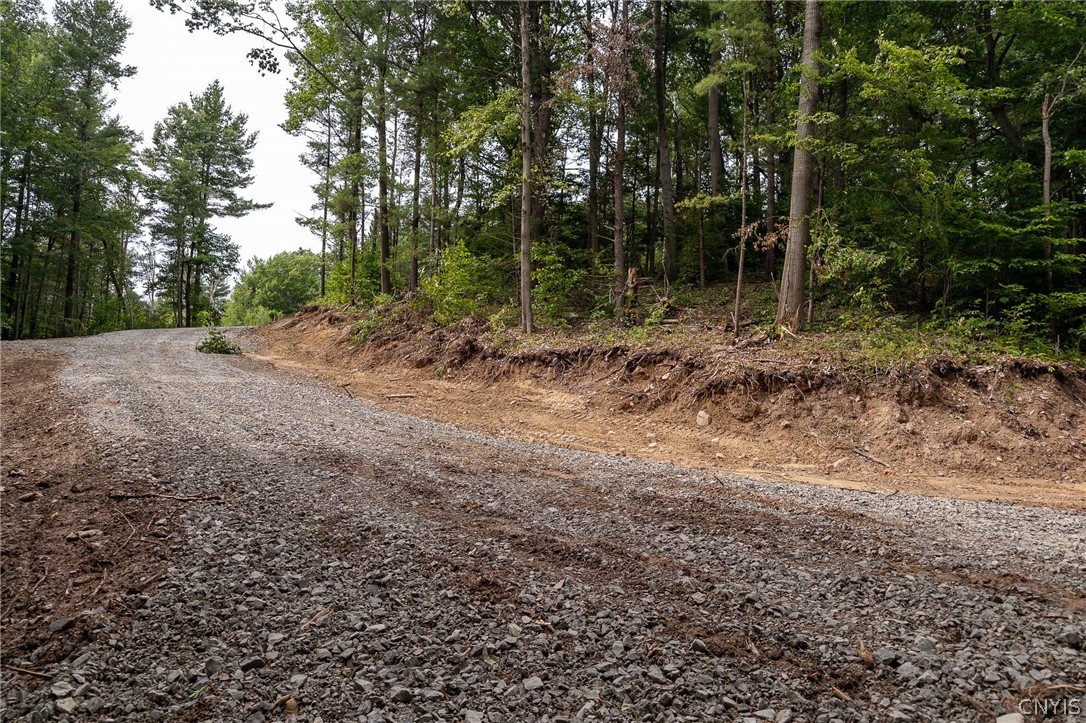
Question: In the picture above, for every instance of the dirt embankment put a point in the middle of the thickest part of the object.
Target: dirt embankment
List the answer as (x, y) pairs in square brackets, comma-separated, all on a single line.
[(1013, 431)]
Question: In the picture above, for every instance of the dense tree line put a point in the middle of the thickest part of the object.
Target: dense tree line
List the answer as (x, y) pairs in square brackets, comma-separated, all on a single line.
[(97, 234), (926, 158)]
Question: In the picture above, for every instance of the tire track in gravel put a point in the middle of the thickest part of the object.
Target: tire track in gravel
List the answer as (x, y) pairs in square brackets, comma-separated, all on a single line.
[(381, 567)]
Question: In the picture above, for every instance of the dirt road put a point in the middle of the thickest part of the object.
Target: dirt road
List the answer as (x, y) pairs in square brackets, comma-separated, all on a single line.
[(363, 565)]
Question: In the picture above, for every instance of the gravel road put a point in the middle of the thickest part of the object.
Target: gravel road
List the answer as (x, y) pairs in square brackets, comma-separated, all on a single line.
[(364, 565)]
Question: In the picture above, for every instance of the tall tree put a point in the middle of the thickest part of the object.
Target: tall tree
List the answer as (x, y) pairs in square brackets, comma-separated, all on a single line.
[(663, 148), (790, 306), (198, 163), (526, 184)]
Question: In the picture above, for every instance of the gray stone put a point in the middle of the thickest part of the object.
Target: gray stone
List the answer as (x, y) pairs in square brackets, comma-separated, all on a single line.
[(213, 666), (656, 675), (93, 705), (886, 656), (1070, 637), (252, 663), (401, 695), (67, 705), (532, 683), (908, 670), (61, 689), (60, 624), (1011, 718), (924, 644), (473, 716)]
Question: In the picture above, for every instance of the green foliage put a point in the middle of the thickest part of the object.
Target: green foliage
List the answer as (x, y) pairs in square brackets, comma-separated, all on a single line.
[(216, 343), (462, 285), (558, 284), (273, 288)]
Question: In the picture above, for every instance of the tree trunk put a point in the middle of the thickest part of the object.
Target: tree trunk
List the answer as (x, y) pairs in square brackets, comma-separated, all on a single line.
[(790, 307), (666, 188), (594, 142), (382, 163), (325, 194), (413, 280), (354, 211), (1046, 181), (619, 170), (526, 171), (742, 211)]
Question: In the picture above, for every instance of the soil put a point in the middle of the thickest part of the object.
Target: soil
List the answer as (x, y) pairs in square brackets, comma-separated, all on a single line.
[(1012, 431), (70, 543)]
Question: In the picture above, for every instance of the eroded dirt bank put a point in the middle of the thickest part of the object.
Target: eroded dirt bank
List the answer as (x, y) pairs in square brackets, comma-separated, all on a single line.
[(1013, 431), (328, 560)]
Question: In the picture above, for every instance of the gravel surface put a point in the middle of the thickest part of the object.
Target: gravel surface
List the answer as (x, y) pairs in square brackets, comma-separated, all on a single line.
[(364, 565)]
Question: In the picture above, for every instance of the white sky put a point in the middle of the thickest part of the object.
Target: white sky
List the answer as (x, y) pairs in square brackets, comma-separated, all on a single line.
[(170, 64)]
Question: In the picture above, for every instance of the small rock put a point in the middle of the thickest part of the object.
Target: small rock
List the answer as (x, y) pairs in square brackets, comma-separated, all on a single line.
[(698, 598), (1011, 718), (925, 645), (27, 496), (324, 654), (61, 689), (766, 714), (1070, 637), (532, 683), (253, 663), (908, 670), (60, 625), (699, 646), (213, 666), (657, 676), (886, 656), (703, 419), (473, 716), (93, 705), (400, 694), (67, 705)]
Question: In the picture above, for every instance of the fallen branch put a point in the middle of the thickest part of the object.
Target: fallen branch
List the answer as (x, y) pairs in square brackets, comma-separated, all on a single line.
[(314, 619), (142, 495), (869, 457), (400, 396), (840, 693), (101, 582), (24, 671)]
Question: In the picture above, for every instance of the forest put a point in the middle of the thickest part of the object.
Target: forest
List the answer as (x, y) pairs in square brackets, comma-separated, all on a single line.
[(551, 163)]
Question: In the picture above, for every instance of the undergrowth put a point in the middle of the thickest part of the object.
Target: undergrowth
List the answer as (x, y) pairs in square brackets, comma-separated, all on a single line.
[(701, 318)]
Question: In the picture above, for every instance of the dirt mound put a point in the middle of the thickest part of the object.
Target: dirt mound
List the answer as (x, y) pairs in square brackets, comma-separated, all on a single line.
[(1012, 430)]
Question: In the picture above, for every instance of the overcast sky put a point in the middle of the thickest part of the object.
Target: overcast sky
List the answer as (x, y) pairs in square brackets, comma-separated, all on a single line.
[(170, 64)]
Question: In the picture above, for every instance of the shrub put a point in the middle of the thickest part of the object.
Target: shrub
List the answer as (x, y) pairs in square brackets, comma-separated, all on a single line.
[(556, 281), (461, 286), (217, 343)]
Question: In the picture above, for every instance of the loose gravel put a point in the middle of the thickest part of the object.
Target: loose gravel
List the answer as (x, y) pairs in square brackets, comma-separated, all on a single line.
[(364, 565)]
